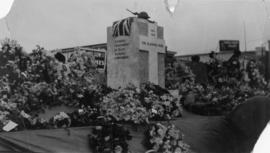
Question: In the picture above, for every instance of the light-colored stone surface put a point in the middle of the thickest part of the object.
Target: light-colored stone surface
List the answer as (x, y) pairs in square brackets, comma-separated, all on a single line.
[(136, 58)]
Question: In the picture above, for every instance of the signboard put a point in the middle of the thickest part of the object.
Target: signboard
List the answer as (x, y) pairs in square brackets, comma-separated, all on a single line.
[(100, 60), (99, 55), (229, 45)]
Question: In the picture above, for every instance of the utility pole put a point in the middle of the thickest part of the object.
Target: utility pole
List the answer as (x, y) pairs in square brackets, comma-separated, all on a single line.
[(7, 25), (245, 36), (268, 62), (245, 40)]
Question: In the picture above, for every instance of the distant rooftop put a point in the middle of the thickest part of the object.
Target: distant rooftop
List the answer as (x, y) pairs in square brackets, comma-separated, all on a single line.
[(206, 54)]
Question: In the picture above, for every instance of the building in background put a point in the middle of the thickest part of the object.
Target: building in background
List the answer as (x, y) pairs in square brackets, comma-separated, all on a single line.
[(260, 54), (170, 58), (170, 61), (97, 51), (223, 56)]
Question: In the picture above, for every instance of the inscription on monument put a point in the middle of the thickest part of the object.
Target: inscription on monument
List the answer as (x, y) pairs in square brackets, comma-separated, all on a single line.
[(152, 44), (120, 49), (153, 32)]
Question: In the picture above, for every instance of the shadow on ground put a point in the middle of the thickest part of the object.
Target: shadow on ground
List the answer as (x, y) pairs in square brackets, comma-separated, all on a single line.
[(234, 133)]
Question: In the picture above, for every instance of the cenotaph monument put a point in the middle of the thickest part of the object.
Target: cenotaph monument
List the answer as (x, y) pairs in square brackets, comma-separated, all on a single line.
[(135, 53)]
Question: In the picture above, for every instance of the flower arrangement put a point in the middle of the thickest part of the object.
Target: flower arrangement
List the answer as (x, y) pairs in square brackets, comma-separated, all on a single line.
[(160, 138), (80, 117), (163, 107), (225, 91), (3, 117), (109, 138), (134, 105), (37, 81), (160, 104), (84, 116), (31, 82), (61, 120), (124, 105)]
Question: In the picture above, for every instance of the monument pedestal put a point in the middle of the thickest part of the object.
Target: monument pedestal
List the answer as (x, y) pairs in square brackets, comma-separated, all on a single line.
[(136, 53)]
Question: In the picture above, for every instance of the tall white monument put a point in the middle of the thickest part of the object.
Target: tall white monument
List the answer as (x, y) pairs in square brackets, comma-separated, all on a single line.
[(136, 53)]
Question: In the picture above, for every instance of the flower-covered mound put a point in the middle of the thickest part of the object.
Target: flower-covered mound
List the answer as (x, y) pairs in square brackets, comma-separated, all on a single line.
[(135, 105), (32, 83), (228, 86)]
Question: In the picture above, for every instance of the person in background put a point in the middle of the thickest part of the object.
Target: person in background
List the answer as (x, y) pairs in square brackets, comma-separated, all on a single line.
[(213, 67), (233, 65), (3, 54), (213, 57), (199, 70)]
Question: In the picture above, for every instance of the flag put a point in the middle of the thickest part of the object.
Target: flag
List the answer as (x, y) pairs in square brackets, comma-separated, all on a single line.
[(122, 27)]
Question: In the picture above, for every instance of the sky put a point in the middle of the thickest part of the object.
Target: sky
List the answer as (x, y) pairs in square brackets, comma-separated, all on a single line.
[(195, 27)]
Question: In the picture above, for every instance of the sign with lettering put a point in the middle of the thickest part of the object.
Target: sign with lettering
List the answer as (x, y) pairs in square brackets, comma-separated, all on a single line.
[(100, 60), (145, 44), (98, 55), (229, 45), (152, 41), (121, 45)]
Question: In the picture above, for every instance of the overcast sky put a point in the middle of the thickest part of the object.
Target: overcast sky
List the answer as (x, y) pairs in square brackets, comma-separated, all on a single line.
[(196, 26)]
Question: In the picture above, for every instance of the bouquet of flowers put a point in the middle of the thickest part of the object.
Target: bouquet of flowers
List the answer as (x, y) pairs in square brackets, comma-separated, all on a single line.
[(83, 116), (160, 104), (61, 120), (109, 138), (163, 107), (3, 117), (124, 105), (164, 139)]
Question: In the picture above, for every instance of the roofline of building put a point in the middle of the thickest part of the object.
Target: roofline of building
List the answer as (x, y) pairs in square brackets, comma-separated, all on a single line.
[(67, 48), (171, 52), (100, 44), (223, 52)]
